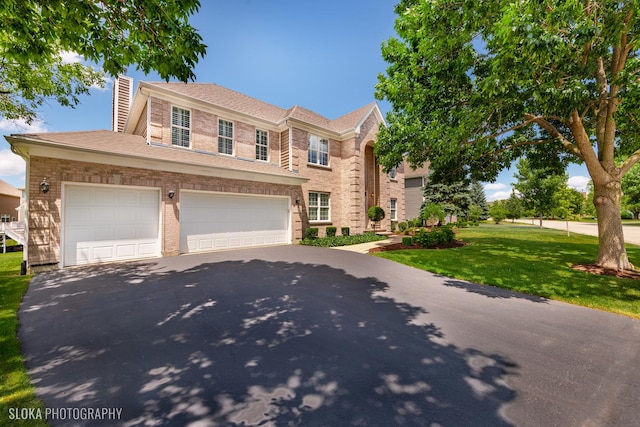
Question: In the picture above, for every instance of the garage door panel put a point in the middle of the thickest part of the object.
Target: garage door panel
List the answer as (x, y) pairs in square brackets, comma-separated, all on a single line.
[(216, 221), (109, 224)]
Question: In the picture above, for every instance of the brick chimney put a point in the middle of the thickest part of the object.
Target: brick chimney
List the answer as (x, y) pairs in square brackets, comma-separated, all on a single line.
[(122, 94)]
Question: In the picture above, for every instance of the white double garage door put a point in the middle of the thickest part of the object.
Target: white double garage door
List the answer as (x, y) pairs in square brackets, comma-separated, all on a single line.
[(114, 223)]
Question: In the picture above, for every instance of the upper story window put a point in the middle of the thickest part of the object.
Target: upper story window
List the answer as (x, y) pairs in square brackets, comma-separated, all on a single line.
[(393, 173), (180, 126), (319, 207), (225, 137), (318, 151), (262, 145)]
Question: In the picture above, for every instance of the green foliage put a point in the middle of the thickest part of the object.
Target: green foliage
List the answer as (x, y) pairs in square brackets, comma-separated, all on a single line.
[(331, 231), (345, 231), (475, 85), (115, 34), (538, 187), (415, 222), (514, 207), (453, 197), (311, 233), (329, 242), (402, 226), (531, 260), (435, 237), (375, 213), (631, 190), (475, 213), (407, 240), (498, 211), (478, 198), (433, 213)]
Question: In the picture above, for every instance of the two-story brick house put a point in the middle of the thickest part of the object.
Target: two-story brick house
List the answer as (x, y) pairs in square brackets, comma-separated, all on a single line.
[(198, 167)]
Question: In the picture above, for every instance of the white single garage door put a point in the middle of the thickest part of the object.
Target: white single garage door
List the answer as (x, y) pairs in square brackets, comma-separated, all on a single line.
[(210, 222), (109, 223)]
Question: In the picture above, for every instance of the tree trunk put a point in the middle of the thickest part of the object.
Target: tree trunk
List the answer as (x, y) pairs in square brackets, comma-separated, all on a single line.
[(611, 250)]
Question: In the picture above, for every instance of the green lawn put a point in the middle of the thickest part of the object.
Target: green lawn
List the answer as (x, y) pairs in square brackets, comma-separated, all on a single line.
[(531, 260), (15, 389)]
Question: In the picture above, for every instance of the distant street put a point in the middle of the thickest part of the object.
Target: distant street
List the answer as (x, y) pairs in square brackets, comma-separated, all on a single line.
[(631, 232)]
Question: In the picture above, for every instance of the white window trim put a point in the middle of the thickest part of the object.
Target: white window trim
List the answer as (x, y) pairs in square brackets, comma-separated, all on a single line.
[(393, 212), (318, 220), (181, 127), (233, 134), (318, 151), (267, 147)]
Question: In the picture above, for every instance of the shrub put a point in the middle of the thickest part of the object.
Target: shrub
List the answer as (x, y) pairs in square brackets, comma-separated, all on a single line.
[(311, 233), (626, 215), (433, 213), (403, 226), (437, 236), (375, 214), (416, 222), (407, 240), (394, 226), (344, 231), (331, 231), (342, 240)]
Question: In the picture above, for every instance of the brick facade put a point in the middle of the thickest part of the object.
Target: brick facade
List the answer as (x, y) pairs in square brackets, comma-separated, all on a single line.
[(353, 179)]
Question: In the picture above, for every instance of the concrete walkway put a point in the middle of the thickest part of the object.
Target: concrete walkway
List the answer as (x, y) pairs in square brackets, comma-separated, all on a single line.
[(631, 232), (363, 248)]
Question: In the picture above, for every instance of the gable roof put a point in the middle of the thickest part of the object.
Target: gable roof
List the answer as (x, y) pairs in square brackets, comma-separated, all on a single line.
[(218, 96), (100, 146), (7, 189)]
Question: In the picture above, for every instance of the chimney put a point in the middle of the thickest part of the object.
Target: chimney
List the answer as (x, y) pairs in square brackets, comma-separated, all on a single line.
[(122, 94)]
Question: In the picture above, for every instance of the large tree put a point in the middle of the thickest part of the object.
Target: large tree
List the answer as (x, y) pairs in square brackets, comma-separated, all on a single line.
[(475, 85), (34, 35)]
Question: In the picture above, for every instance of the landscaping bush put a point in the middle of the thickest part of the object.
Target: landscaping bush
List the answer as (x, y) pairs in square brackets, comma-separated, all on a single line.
[(342, 240), (437, 236), (407, 240), (311, 233), (344, 231), (403, 227), (626, 215), (375, 214), (394, 226), (331, 231)]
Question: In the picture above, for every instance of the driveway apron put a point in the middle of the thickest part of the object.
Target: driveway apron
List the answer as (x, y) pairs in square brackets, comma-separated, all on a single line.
[(306, 336)]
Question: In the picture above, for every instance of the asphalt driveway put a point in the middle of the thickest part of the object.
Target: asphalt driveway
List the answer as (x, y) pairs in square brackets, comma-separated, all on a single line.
[(308, 336)]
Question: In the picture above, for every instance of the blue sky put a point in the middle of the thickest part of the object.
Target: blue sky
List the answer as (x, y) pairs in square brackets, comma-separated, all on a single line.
[(324, 56)]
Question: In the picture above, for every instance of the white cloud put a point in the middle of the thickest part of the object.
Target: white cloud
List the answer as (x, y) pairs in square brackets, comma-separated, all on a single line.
[(498, 195), (11, 164), (21, 126), (70, 57), (494, 186), (579, 182)]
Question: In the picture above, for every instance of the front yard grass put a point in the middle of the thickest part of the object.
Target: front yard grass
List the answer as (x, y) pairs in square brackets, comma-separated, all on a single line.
[(533, 261), (15, 389)]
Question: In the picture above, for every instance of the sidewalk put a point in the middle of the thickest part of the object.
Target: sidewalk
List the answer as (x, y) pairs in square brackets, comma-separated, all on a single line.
[(363, 248)]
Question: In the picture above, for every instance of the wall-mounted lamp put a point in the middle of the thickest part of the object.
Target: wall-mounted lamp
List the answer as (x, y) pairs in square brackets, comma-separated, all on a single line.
[(297, 200), (44, 185), (171, 194)]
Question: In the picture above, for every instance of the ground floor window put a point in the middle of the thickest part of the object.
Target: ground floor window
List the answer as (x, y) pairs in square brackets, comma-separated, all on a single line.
[(393, 212), (319, 207)]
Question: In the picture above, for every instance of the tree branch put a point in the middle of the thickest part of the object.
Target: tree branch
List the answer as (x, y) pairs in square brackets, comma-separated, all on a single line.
[(568, 145)]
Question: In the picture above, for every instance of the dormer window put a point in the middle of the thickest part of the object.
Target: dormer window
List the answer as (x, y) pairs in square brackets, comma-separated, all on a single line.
[(180, 127), (318, 151)]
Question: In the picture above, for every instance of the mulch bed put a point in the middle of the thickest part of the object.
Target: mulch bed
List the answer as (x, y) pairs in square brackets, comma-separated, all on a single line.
[(400, 246), (594, 269)]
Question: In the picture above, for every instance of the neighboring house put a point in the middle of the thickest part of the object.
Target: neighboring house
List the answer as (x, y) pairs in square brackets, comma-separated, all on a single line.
[(414, 181), (198, 167), (9, 202)]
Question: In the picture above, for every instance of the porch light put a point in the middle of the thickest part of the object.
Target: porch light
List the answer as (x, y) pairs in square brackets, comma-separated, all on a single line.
[(44, 186), (297, 200), (171, 194)]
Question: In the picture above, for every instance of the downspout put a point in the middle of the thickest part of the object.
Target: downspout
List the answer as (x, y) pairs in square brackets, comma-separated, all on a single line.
[(148, 120)]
